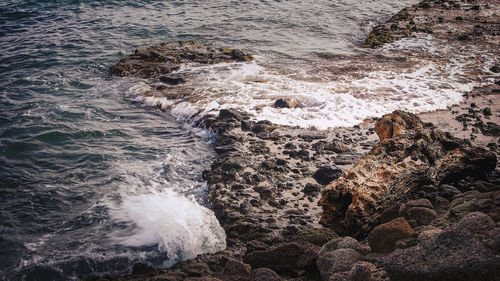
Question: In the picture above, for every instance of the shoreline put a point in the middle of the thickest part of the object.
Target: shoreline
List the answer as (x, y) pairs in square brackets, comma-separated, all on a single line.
[(266, 183)]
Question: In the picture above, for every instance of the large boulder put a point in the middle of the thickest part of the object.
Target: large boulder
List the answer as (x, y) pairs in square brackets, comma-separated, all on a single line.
[(264, 274), (335, 261), (449, 256), (410, 154), (285, 257)]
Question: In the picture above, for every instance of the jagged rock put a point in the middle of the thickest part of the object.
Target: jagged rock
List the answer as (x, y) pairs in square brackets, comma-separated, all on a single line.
[(285, 257), (383, 238), (449, 256), (264, 274), (331, 262), (166, 57), (410, 154)]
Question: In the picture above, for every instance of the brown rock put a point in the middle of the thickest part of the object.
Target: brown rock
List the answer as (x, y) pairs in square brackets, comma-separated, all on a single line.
[(409, 155), (421, 215), (236, 271), (264, 274), (285, 257), (383, 238)]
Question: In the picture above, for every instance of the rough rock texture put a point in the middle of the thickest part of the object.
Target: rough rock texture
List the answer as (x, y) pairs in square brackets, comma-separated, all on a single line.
[(166, 57), (383, 237), (285, 257), (451, 255), (340, 260), (264, 274), (409, 155)]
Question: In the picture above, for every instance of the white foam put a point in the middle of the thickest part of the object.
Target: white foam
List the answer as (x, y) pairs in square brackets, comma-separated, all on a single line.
[(179, 225), (327, 101)]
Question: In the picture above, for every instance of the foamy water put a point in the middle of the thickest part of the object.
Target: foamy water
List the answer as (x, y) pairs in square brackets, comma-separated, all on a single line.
[(431, 80)]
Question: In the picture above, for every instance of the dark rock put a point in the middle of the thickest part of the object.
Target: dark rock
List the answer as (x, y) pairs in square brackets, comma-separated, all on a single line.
[(172, 80), (421, 215), (325, 174), (487, 111), (203, 279), (316, 236), (390, 213), (312, 188), (286, 103), (236, 271), (361, 271), (264, 274), (449, 256), (335, 261), (345, 242), (474, 201), (475, 223), (411, 154), (496, 240), (383, 238), (495, 69), (285, 257), (232, 113), (142, 269)]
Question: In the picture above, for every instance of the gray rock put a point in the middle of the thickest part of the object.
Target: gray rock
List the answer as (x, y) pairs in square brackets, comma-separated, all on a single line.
[(476, 223), (345, 242), (264, 274), (449, 256), (335, 261)]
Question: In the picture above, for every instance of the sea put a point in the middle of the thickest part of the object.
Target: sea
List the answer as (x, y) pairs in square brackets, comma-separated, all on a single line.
[(95, 175)]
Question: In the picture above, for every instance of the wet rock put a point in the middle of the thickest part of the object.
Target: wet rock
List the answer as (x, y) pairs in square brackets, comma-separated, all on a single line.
[(166, 57), (236, 271), (286, 103), (495, 69), (264, 274), (339, 260), (172, 80), (383, 238), (411, 154), (285, 257), (451, 255), (325, 174), (142, 269), (316, 236)]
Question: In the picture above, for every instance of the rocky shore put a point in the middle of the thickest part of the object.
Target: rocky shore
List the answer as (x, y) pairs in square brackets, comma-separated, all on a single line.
[(403, 197)]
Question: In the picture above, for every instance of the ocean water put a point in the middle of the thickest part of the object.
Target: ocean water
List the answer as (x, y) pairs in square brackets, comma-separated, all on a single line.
[(95, 175)]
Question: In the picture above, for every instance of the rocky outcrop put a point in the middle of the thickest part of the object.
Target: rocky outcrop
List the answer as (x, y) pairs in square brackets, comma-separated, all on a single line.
[(410, 154), (165, 58)]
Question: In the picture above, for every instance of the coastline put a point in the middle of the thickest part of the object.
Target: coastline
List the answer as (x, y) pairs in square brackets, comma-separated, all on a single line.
[(265, 185)]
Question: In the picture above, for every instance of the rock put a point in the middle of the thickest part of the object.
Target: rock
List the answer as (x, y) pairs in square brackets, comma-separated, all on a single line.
[(383, 238), (316, 236), (495, 69), (428, 232), (496, 240), (172, 80), (166, 57), (451, 255), (475, 201), (285, 257), (264, 274), (336, 261), (286, 103), (341, 276), (196, 269), (202, 279), (476, 223), (142, 269), (411, 154), (421, 215), (390, 213), (236, 271), (325, 174), (345, 242), (361, 271), (424, 203), (311, 189)]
